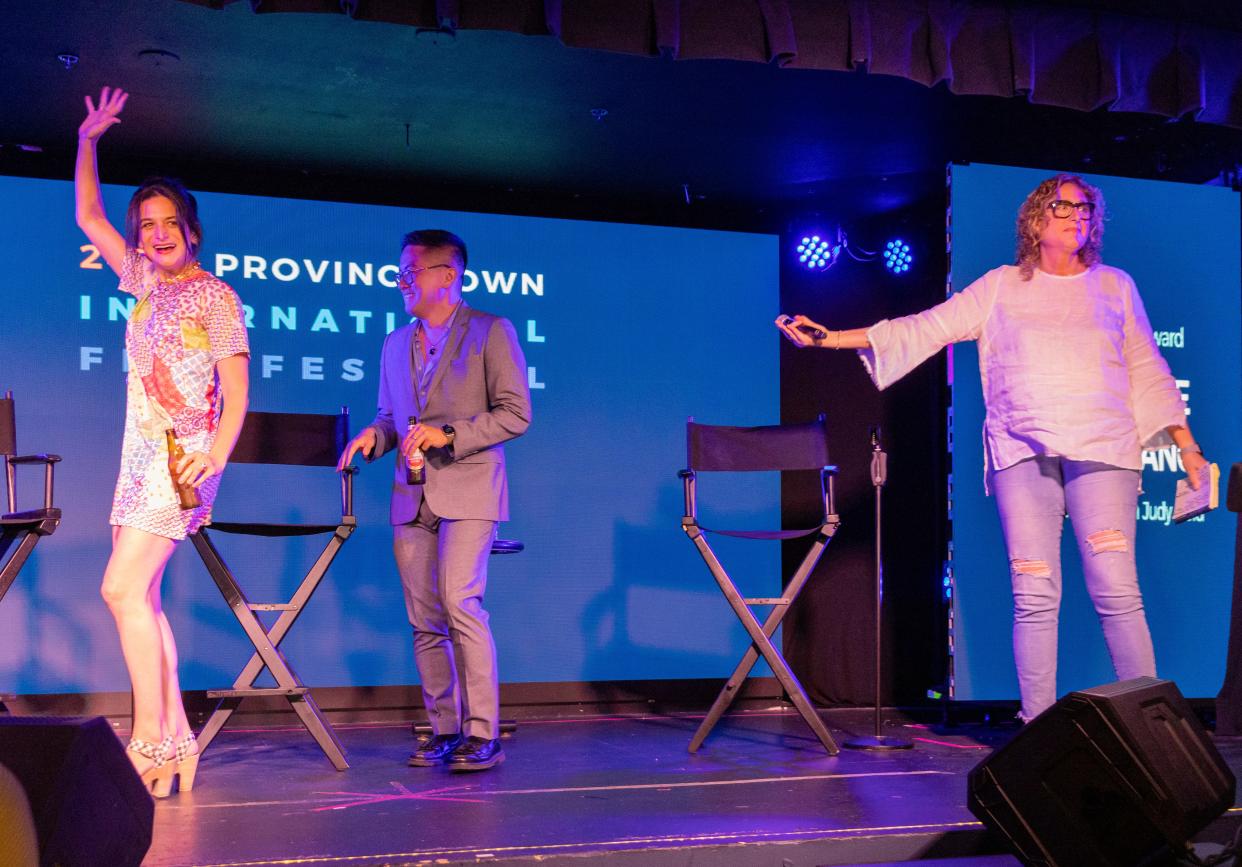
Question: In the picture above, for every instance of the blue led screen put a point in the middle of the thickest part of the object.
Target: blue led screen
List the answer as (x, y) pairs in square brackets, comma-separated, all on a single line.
[(627, 331)]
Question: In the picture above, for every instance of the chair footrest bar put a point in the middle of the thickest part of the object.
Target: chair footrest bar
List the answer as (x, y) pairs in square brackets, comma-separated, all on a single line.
[(247, 693), (272, 606), (767, 600)]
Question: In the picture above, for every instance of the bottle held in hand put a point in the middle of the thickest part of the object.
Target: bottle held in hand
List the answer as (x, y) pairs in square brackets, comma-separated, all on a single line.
[(187, 496), (415, 461)]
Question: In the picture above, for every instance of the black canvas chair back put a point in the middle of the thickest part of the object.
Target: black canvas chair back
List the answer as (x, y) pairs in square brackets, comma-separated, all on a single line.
[(20, 531), (772, 448), (719, 448), (291, 439), (287, 439)]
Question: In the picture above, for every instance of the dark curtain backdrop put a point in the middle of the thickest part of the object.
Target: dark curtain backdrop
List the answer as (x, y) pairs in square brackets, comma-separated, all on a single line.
[(829, 636), (1150, 57)]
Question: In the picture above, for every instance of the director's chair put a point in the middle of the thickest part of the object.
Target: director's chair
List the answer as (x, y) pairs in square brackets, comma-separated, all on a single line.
[(288, 439), (715, 448), (24, 528)]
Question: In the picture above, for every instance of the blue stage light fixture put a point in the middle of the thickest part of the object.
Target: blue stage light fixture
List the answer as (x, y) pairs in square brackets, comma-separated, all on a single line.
[(815, 253), (897, 258)]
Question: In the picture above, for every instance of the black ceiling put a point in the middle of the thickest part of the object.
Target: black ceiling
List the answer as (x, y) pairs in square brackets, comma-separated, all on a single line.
[(309, 100)]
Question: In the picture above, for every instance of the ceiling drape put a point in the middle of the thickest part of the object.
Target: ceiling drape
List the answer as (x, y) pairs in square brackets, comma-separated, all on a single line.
[(1072, 57)]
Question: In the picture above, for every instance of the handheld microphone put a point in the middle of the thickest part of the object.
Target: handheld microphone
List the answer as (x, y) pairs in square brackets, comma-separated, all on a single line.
[(816, 333)]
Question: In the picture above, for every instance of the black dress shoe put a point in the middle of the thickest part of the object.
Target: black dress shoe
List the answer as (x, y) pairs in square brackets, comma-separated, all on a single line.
[(476, 754), (434, 750)]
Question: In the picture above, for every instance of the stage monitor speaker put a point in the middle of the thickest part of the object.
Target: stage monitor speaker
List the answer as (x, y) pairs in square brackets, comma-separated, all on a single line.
[(1116, 776), (90, 807)]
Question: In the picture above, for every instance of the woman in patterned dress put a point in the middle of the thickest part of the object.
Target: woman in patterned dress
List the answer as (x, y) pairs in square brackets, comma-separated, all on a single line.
[(188, 371)]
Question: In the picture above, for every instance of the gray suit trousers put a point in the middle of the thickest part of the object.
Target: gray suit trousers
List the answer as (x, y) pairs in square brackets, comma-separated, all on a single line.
[(443, 567)]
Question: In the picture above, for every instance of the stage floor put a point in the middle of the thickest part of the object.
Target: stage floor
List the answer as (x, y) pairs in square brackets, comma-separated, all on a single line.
[(592, 790)]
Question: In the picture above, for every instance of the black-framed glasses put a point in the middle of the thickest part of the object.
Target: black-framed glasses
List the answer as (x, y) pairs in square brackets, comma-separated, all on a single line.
[(405, 277), (1061, 209)]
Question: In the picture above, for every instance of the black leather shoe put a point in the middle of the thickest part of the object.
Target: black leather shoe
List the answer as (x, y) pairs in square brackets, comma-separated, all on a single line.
[(476, 754), (434, 750)]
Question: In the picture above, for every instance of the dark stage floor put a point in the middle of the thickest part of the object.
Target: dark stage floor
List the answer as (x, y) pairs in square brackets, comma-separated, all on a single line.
[(595, 790)]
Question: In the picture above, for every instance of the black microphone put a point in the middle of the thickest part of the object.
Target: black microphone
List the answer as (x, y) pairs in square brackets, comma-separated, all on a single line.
[(816, 333), (879, 459)]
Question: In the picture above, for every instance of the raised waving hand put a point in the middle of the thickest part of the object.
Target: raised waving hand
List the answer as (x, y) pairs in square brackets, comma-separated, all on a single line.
[(100, 120), (90, 210)]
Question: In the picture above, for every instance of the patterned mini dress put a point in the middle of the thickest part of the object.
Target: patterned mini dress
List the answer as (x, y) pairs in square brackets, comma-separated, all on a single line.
[(177, 331)]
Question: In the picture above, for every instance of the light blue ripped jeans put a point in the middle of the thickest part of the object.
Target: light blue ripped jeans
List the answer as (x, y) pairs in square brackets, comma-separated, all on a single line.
[(1033, 498)]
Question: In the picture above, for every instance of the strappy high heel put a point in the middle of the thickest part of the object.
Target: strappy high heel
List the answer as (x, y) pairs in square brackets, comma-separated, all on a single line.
[(187, 762), (159, 777)]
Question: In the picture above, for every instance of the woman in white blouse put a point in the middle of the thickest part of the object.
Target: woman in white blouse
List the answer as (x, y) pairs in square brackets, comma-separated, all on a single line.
[(1075, 389)]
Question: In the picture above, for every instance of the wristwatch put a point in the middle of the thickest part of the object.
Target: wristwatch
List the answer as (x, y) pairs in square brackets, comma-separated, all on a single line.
[(450, 433)]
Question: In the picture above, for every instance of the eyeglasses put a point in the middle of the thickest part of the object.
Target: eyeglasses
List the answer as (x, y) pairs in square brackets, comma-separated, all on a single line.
[(405, 277), (1061, 209)]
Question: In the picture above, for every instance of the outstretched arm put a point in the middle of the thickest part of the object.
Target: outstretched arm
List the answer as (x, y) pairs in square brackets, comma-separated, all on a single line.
[(791, 327), (891, 348), (90, 209)]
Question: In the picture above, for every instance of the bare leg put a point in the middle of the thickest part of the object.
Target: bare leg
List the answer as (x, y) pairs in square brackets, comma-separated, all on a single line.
[(133, 572), (175, 721)]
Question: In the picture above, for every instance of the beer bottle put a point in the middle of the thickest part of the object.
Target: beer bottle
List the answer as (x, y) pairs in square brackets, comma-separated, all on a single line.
[(187, 495), (415, 461)]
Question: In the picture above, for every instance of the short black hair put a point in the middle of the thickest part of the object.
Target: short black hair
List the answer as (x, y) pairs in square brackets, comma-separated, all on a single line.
[(183, 201), (436, 239)]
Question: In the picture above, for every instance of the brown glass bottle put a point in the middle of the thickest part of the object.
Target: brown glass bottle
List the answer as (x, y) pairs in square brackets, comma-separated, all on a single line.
[(187, 494), (415, 461)]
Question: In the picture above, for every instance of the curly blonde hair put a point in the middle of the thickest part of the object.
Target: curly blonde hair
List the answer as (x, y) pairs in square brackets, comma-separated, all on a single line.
[(1033, 217)]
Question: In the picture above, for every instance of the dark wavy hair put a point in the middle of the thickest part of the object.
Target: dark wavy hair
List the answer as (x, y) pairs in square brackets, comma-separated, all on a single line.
[(437, 239), (1033, 217), (183, 201)]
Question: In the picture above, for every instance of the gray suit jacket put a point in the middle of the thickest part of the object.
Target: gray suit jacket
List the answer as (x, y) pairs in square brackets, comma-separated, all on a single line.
[(480, 388)]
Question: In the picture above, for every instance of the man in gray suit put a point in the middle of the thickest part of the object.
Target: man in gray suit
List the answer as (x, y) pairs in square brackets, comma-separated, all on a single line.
[(461, 373)]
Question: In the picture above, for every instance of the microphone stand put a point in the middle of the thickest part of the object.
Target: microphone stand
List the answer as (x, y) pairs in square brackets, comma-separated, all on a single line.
[(879, 475)]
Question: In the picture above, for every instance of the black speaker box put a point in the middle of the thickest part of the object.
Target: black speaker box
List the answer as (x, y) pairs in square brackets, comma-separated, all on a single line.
[(89, 805), (1116, 776)]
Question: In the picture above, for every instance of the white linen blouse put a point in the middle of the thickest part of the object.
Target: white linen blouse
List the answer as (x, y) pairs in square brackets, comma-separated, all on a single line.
[(1069, 365)]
